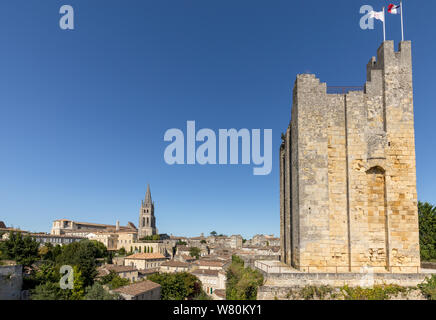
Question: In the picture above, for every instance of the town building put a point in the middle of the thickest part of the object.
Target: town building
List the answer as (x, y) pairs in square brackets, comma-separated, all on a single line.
[(66, 226), (206, 264), (172, 266), (211, 280), (145, 260), (143, 290), (125, 272), (44, 238)]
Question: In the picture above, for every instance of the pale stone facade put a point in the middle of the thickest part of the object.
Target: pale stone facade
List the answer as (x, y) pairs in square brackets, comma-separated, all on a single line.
[(124, 272), (347, 173), (211, 280), (142, 261), (173, 266)]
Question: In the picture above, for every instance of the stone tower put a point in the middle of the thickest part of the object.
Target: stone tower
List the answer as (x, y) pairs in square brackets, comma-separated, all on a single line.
[(347, 172), (147, 220)]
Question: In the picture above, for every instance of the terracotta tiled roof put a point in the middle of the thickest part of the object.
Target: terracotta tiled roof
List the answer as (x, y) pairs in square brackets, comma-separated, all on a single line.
[(138, 288), (220, 293), (186, 257), (205, 272), (174, 263), (147, 272), (46, 235), (146, 256), (106, 269), (211, 263)]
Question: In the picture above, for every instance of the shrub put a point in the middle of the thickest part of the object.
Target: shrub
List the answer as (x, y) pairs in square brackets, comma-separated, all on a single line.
[(428, 288), (378, 292)]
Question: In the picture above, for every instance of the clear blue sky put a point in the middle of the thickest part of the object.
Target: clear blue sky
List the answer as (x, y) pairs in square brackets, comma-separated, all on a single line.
[(83, 113)]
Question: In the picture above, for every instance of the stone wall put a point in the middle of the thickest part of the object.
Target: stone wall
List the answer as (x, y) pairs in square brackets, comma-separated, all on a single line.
[(11, 281), (279, 285), (347, 172)]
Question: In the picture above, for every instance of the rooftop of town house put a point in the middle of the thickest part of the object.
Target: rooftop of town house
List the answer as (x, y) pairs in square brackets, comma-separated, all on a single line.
[(211, 263), (174, 263), (146, 256), (106, 269), (138, 288), (205, 272), (147, 272)]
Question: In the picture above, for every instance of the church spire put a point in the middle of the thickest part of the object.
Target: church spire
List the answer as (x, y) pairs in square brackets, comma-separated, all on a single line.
[(148, 195)]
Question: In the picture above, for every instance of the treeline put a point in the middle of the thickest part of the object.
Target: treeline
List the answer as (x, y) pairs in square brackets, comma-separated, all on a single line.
[(427, 231), (42, 266)]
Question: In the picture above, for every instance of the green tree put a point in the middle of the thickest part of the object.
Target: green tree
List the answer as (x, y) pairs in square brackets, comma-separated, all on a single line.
[(202, 296), (242, 283), (428, 287), (113, 280), (122, 252), (22, 249), (194, 252), (97, 292), (177, 286), (82, 254), (427, 230), (213, 233), (45, 272), (78, 291), (47, 291), (100, 249)]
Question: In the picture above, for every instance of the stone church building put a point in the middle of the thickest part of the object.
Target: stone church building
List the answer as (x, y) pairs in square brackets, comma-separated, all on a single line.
[(347, 172), (147, 220)]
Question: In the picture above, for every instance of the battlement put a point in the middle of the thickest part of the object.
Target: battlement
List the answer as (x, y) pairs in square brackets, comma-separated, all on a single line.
[(387, 57)]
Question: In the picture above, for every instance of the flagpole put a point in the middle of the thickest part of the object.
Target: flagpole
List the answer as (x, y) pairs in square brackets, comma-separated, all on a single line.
[(402, 25), (384, 25)]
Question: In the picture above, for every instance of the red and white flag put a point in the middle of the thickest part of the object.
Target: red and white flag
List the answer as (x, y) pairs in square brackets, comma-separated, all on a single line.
[(394, 9)]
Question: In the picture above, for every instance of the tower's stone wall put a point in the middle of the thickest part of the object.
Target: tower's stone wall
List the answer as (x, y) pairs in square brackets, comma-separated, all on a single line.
[(347, 172)]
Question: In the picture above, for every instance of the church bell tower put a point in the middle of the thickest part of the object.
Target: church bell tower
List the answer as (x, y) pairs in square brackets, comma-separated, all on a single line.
[(147, 220)]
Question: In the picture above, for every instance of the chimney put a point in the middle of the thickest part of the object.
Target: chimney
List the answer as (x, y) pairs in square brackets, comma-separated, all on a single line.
[(117, 228)]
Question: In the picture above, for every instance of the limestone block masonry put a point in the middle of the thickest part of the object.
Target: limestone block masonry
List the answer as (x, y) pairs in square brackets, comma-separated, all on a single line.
[(347, 173)]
